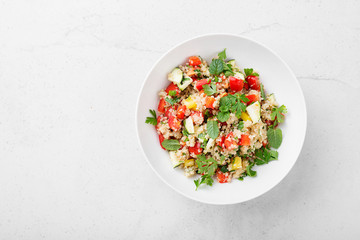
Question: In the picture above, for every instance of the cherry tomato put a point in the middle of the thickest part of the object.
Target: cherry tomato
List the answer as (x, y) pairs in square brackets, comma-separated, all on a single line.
[(181, 112), (172, 87), (230, 143), (194, 61), (161, 107), (246, 86), (254, 82), (196, 149), (222, 177), (252, 98), (236, 84)]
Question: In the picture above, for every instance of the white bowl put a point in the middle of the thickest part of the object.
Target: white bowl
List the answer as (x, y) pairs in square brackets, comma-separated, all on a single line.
[(276, 77)]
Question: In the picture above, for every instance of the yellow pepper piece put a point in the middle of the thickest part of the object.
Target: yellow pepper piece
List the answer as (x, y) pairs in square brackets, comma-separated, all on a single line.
[(245, 116), (189, 162), (237, 163), (190, 103)]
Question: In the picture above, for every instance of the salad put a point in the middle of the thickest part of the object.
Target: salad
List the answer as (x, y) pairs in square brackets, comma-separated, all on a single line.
[(216, 121)]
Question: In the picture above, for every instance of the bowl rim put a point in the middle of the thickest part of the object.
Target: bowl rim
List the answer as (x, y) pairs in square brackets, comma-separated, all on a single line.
[(210, 35)]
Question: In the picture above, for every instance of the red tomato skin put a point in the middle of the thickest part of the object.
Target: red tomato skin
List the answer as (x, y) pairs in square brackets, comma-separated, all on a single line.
[(199, 84), (181, 112), (236, 84), (244, 140), (252, 98), (196, 149), (172, 87), (230, 143), (222, 177), (161, 139), (246, 86), (174, 123), (161, 107), (254, 82), (194, 61)]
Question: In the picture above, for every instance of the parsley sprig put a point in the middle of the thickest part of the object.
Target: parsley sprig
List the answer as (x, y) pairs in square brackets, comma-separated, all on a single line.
[(151, 120), (206, 167), (209, 89), (173, 100), (219, 65), (277, 114), (231, 103)]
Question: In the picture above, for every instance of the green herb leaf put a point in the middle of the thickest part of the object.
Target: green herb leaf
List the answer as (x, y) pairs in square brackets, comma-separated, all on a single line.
[(277, 114), (262, 91), (185, 132), (264, 156), (216, 79), (241, 125), (248, 71), (224, 169), (223, 116), (212, 129), (172, 93), (249, 171), (172, 101), (274, 137), (205, 179), (216, 66), (206, 166), (222, 55), (171, 144), (210, 89), (152, 120)]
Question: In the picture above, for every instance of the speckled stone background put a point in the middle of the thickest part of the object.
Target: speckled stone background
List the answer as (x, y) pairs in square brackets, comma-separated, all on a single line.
[(70, 163)]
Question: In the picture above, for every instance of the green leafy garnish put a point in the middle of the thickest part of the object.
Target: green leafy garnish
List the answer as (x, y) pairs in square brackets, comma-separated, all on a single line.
[(171, 144), (262, 91), (185, 132), (151, 120), (216, 66), (172, 101), (277, 114), (274, 137), (206, 179), (172, 93), (241, 125), (233, 103), (250, 72), (224, 169), (222, 55), (223, 116), (198, 72), (216, 79), (212, 129), (264, 156), (206, 167), (210, 89), (228, 71), (249, 171)]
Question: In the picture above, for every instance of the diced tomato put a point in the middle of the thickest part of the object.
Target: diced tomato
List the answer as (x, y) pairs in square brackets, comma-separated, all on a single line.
[(161, 139), (236, 84), (194, 61), (246, 86), (223, 77), (254, 82), (172, 87), (264, 143), (181, 112), (209, 102), (199, 84), (196, 149), (161, 107), (169, 112), (244, 140), (198, 117), (174, 123), (222, 177), (220, 142), (230, 142), (252, 98), (158, 119)]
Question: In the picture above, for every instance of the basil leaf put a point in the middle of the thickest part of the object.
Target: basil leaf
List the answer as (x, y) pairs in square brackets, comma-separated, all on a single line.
[(212, 129), (216, 66), (223, 116), (274, 137), (222, 55), (171, 144)]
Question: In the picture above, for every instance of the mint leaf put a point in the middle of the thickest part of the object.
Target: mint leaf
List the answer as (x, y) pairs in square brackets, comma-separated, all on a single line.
[(223, 116), (264, 156), (222, 55), (248, 71), (212, 129), (171, 144), (216, 66), (152, 120), (274, 137), (172, 93), (209, 89)]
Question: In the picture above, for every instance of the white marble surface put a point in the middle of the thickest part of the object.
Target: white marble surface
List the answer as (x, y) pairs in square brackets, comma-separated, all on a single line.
[(70, 164)]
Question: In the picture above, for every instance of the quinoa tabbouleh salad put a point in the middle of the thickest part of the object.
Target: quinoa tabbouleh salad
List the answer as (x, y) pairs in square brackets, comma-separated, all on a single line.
[(217, 120)]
